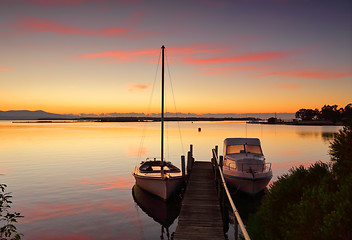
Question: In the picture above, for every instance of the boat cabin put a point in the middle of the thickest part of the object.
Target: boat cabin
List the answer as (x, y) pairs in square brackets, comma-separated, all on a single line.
[(242, 145), (155, 166), (243, 154)]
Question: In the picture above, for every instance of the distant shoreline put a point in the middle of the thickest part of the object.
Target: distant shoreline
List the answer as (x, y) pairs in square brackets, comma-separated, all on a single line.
[(299, 123), (130, 119), (177, 119)]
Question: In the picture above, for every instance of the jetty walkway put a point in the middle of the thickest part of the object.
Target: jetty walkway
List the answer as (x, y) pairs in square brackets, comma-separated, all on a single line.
[(203, 203), (200, 216)]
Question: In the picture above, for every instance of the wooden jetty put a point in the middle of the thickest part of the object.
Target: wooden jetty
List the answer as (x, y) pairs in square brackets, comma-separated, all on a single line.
[(200, 216), (201, 213)]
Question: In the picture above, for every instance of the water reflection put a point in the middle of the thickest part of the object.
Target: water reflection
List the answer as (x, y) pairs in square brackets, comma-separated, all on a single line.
[(245, 204), (162, 212), (328, 136)]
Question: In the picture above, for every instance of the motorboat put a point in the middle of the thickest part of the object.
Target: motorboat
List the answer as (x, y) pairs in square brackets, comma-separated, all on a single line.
[(159, 177), (244, 165)]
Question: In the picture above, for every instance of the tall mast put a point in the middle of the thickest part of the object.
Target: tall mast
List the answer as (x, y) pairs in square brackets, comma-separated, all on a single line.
[(162, 108)]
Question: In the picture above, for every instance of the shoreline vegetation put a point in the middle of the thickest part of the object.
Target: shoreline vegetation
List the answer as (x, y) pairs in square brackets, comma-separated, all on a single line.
[(310, 203)]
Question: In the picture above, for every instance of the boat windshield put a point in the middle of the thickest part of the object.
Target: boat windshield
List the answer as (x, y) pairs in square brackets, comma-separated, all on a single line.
[(245, 148), (253, 149)]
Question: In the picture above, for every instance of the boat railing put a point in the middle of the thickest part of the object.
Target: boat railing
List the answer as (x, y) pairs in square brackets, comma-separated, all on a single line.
[(222, 189), (250, 167)]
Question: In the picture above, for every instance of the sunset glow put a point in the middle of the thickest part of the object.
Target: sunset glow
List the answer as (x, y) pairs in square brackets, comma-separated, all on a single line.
[(222, 56)]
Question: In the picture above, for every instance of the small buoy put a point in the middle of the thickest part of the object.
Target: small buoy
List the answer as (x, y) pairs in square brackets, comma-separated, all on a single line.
[(199, 129)]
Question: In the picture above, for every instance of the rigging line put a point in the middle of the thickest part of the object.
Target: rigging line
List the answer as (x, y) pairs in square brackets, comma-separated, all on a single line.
[(173, 96), (148, 110), (167, 138)]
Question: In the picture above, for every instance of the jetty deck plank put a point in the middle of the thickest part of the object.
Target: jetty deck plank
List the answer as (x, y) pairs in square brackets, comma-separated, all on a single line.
[(200, 216)]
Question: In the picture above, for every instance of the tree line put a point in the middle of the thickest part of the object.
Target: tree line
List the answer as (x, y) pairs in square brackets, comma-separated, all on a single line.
[(327, 113)]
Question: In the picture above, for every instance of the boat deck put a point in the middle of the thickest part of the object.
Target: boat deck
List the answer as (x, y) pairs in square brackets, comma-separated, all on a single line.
[(200, 216)]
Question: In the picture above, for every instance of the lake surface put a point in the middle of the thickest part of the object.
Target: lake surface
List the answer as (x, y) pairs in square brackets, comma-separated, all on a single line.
[(73, 180)]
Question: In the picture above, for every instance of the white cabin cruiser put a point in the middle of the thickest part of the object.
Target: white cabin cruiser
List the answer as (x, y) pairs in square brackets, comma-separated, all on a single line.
[(244, 165)]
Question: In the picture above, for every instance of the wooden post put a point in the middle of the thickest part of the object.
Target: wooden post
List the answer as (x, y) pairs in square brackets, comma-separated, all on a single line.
[(216, 150), (183, 167), (221, 162), (216, 170), (219, 187), (189, 162), (191, 151), (235, 226)]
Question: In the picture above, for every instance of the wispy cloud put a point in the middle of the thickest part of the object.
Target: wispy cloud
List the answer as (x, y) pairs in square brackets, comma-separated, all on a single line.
[(120, 55), (56, 3), (177, 53), (132, 87), (31, 24), (224, 70), (249, 57), (317, 74), (6, 69), (288, 86)]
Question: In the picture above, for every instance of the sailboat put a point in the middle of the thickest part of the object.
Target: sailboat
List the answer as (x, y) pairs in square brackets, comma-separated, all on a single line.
[(159, 177)]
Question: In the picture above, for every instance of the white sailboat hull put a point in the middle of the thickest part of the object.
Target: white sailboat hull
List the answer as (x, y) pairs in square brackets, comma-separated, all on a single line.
[(163, 187)]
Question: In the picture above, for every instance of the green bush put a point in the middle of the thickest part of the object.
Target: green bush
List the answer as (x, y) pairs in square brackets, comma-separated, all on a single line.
[(310, 203)]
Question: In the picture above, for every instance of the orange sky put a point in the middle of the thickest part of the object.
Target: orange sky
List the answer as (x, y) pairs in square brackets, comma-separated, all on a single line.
[(223, 57)]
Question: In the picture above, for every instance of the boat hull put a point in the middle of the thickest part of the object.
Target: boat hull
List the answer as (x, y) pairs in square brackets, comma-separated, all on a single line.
[(163, 187), (248, 184)]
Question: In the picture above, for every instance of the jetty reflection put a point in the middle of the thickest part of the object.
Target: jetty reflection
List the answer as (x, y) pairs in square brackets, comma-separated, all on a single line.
[(246, 206), (162, 212)]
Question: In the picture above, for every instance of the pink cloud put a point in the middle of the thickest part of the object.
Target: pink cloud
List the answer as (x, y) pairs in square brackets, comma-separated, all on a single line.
[(177, 53), (137, 87), (320, 74), (224, 70), (250, 57), (45, 25), (6, 69), (288, 86), (76, 2), (121, 56), (57, 2)]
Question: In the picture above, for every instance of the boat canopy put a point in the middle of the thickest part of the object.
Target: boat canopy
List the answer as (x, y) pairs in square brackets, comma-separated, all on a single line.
[(242, 145), (241, 141)]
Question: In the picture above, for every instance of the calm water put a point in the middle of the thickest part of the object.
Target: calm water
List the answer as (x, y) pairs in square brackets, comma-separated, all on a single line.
[(73, 180)]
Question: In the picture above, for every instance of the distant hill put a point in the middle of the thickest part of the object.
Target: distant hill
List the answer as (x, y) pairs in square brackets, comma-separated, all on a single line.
[(31, 115)]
